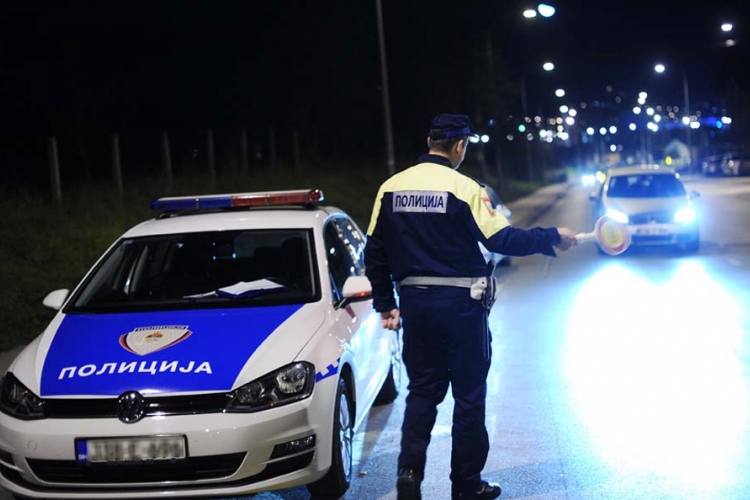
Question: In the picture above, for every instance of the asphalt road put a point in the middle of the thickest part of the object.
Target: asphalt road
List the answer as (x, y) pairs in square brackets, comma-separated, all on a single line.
[(613, 377)]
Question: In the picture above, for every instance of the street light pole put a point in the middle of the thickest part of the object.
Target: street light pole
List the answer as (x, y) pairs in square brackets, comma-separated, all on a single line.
[(686, 95), (524, 112), (390, 155)]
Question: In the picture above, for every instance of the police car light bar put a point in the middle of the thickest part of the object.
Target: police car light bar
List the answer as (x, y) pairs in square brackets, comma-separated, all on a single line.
[(260, 199)]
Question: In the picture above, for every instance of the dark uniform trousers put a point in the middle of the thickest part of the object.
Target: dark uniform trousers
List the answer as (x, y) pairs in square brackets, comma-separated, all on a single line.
[(446, 342)]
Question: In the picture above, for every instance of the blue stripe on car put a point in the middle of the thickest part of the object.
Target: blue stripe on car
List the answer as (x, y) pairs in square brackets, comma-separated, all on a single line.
[(86, 357)]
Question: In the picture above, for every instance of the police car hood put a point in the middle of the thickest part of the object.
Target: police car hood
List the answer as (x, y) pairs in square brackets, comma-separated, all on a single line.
[(165, 352)]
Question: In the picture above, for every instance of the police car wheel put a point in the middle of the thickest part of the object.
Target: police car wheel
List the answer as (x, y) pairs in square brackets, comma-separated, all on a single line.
[(389, 390), (334, 484)]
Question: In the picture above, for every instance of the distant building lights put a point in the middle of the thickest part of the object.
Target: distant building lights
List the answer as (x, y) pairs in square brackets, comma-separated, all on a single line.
[(560, 93), (570, 120), (612, 129), (603, 130), (590, 131), (642, 95), (612, 148), (572, 112), (564, 109), (641, 101), (650, 111), (637, 110), (632, 126)]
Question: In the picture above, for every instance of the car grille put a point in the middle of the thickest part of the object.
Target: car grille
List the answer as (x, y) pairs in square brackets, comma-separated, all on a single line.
[(164, 405), (191, 469), (217, 466), (654, 217)]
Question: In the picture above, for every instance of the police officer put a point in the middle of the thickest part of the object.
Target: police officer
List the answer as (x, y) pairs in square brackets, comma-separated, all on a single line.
[(424, 232)]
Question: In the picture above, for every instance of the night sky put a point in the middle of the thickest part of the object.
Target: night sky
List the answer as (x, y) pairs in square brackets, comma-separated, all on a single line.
[(86, 69)]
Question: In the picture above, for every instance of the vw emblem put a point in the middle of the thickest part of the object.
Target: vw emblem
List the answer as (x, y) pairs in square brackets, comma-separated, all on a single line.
[(131, 407)]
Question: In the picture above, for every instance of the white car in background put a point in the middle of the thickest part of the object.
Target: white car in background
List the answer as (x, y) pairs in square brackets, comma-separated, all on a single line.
[(653, 202), (227, 347)]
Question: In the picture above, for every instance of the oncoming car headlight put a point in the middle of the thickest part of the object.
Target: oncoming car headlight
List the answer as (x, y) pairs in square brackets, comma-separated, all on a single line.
[(685, 215), (283, 386), (19, 402)]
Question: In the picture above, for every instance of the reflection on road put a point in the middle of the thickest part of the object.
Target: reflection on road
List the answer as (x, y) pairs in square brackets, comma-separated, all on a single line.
[(661, 364)]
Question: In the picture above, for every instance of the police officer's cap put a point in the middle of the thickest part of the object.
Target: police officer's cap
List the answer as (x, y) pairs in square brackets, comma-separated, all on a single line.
[(447, 126)]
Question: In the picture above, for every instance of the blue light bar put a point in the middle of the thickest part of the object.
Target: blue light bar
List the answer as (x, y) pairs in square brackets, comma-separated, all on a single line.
[(259, 199)]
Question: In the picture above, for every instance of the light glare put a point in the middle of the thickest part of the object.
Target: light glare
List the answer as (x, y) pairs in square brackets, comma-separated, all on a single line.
[(546, 10)]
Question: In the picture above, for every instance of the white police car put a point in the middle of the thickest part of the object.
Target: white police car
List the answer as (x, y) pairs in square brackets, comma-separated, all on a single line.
[(227, 347)]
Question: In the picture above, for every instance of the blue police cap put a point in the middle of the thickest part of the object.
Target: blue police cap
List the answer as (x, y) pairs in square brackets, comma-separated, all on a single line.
[(446, 126)]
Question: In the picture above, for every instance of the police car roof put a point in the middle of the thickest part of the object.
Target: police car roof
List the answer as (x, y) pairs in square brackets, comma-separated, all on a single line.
[(257, 218)]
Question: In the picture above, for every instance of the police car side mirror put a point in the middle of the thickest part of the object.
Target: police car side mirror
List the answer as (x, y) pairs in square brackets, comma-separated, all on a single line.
[(356, 288), (55, 300)]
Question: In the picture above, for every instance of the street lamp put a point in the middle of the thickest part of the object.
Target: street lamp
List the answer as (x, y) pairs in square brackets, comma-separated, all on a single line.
[(727, 27), (686, 120)]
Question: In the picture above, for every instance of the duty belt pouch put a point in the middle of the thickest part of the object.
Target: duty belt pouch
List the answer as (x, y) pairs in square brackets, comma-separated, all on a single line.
[(478, 288)]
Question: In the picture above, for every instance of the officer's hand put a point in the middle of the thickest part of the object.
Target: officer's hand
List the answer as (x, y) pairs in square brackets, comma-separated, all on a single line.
[(391, 319), (567, 238)]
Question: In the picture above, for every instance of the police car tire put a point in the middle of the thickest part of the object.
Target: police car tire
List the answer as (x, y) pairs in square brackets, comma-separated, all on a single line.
[(334, 484)]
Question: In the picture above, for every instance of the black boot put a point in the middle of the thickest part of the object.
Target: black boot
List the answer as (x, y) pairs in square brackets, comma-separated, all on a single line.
[(409, 484), (484, 491)]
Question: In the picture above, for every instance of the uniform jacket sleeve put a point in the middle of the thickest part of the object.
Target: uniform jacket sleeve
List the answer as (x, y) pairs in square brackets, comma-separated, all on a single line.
[(376, 264)]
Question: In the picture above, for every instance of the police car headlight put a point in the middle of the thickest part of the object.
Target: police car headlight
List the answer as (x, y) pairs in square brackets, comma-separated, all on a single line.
[(17, 401), (286, 385)]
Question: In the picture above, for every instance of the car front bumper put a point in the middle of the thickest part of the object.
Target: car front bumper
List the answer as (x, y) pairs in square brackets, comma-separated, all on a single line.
[(232, 454)]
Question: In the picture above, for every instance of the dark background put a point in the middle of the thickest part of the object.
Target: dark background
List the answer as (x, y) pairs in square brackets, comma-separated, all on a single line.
[(83, 70)]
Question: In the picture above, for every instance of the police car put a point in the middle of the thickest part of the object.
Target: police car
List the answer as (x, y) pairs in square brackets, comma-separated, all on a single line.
[(226, 347)]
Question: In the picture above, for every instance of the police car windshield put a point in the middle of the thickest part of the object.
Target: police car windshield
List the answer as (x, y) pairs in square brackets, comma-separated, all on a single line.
[(209, 269)]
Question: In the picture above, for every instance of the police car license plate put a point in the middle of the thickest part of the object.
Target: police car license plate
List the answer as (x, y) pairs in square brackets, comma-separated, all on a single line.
[(121, 450)]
